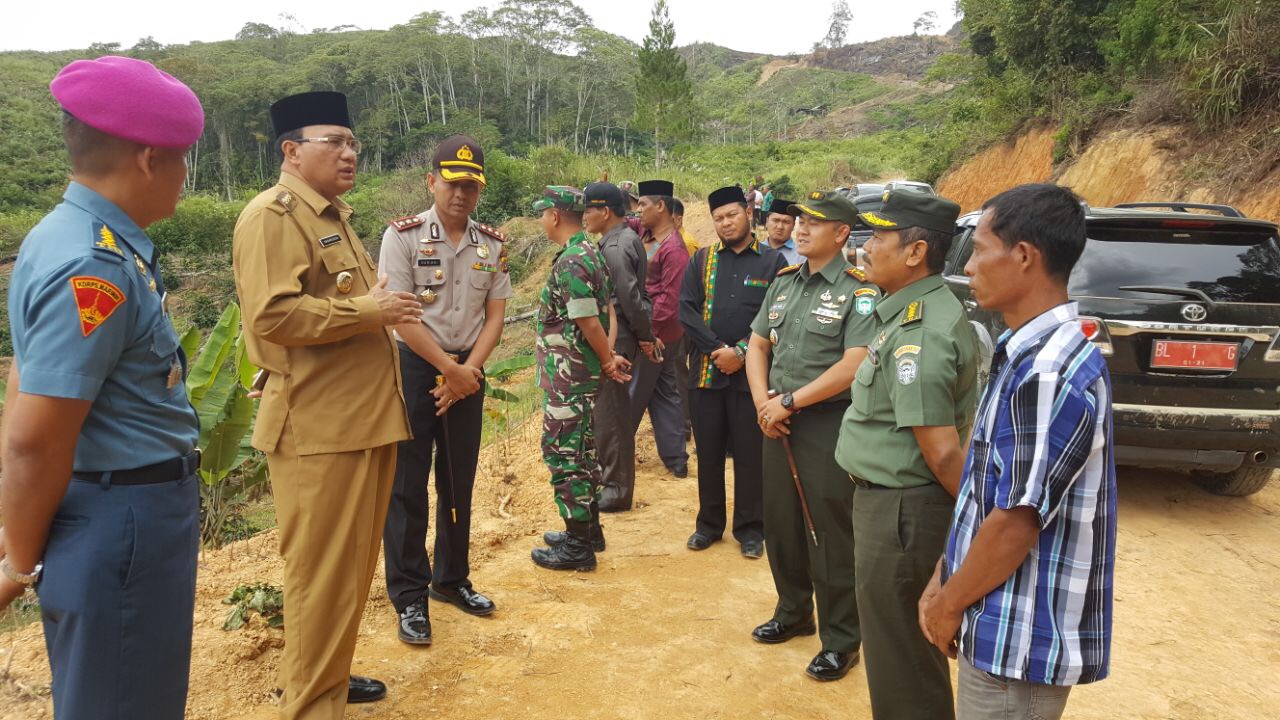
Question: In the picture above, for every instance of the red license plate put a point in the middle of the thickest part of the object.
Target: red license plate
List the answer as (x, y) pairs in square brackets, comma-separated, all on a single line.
[(1178, 354)]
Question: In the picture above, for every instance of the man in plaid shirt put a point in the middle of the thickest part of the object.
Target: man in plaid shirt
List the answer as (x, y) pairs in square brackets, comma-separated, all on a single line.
[(1024, 592)]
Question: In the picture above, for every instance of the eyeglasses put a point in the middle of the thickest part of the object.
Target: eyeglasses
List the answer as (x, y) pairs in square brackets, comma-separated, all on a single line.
[(337, 142)]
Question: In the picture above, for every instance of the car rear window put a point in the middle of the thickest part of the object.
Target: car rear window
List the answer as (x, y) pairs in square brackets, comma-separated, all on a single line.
[(1231, 265)]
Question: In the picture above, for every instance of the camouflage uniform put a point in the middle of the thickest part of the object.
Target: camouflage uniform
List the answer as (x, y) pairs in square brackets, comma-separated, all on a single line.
[(569, 373)]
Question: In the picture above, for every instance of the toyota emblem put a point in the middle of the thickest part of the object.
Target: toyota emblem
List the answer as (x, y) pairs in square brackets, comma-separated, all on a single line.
[(1194, 313)]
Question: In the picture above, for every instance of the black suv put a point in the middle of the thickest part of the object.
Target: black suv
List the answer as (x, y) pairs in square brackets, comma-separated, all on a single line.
[(1185, 306)]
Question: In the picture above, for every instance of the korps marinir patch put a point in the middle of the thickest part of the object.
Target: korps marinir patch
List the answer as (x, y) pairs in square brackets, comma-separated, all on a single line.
[(96, 299)]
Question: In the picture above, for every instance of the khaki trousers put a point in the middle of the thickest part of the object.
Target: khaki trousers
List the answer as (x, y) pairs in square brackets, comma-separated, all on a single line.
[(330, 509)]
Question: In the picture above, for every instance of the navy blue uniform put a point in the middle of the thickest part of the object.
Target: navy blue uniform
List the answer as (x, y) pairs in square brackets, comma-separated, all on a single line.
[(118, 589)]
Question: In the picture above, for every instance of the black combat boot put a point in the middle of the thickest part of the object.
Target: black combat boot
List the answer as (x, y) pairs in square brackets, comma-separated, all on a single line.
[(555, 537), (572, 553)]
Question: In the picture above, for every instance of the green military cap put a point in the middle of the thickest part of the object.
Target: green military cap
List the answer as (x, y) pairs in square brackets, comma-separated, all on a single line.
[(911, 208), (826, 206), (560, 197)]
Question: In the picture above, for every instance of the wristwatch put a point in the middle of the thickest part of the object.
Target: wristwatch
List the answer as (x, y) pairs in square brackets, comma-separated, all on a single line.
[(737, 350), (25, 579), (789, 401)]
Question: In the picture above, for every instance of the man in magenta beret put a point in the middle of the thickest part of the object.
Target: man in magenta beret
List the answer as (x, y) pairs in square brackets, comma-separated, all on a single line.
[(100, 492)]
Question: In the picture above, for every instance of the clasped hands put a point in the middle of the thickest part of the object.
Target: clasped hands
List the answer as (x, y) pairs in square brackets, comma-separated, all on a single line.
[(773, 418)]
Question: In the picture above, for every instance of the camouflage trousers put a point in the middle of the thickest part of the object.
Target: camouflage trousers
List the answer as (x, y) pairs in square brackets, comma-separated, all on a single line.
[(569, 449)]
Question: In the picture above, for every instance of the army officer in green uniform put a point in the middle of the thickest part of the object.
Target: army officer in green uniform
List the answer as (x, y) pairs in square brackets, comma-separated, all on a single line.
[(806, 344), (902, 442)]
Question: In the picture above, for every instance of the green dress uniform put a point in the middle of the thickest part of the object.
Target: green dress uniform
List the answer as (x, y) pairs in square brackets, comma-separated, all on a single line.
[(921, 371), (811, 320)]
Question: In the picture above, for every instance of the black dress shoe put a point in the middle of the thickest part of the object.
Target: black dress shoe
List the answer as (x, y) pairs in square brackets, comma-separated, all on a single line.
[(415, 626), (831, 665), (774, 632), (466, 599), (680, 471), (363, 690), (753, 549), (698, 541)]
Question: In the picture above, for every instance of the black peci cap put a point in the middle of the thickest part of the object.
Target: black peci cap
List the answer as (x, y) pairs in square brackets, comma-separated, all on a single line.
[(725, 196), (656, 188), (781, 206), (309, 108)]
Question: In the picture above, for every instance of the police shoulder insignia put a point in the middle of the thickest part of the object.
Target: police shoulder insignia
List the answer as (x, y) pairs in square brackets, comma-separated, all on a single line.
[(491, 232), (913, 313), (789, 269), (856, 273), (285, 199), (407, 223), (106, 241), (95, 300)]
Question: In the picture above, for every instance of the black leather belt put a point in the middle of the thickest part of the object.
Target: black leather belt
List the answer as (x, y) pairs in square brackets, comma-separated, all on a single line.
[(162, 472), (865, 485)]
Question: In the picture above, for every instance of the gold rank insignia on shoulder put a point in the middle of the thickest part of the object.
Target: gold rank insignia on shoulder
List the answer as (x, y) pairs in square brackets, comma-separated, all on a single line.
[(913, 313), (407, 223), (106, 240), (491, 232), (345, 282), (285, 199), (857, 273), (789, 269)]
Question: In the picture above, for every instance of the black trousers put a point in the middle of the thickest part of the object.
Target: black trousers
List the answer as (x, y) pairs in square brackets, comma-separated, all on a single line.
[(455, 440), (718, 415)]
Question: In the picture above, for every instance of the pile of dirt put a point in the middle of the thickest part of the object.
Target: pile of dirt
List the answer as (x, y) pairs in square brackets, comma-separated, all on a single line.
[(909, 56)]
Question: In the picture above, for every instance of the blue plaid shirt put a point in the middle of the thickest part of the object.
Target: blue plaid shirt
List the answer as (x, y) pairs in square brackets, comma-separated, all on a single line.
[(1042, 439)]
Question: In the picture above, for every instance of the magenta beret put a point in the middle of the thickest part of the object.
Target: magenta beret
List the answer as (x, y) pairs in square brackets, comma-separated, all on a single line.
[(130, 99)]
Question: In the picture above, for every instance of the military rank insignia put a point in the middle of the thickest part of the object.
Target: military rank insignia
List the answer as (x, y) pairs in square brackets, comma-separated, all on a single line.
[(913, 313), (106, 240), (96, 299)]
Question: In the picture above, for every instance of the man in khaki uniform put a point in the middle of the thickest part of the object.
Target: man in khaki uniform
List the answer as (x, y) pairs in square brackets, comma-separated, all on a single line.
[(458, 269), (332, 409)]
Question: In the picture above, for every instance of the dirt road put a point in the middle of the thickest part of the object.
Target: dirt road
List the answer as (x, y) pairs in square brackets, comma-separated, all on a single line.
[(659, 631)]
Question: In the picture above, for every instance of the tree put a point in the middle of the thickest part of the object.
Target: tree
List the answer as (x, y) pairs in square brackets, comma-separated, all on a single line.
[(926, 23), (664, 94), (257, 31), (837, 26)]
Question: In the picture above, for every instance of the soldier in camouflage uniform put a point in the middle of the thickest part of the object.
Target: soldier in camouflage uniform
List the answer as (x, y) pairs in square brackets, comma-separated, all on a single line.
[(575, 349)]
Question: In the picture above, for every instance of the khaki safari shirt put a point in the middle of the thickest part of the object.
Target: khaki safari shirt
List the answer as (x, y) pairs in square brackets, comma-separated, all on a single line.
[(303, 278), (921, 370), (810, 320), (453, 282)]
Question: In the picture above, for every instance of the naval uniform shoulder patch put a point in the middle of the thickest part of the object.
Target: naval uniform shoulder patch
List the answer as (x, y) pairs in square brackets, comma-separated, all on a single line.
[(105, 241), (96, 299), (407, 223), (789, 269), (914, 313), (856, 273), (491, 232)]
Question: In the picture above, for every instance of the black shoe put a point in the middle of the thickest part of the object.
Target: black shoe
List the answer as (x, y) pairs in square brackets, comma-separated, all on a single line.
[(415, 625), (554, 537), (698, 541), (466, 599), (364, 690), (830, 665), (774, 632), (680, 471), (572, 553), (753, 549)]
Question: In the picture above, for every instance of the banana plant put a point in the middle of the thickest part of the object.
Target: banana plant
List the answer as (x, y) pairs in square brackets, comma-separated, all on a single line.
[(217, 384), (500, 372)]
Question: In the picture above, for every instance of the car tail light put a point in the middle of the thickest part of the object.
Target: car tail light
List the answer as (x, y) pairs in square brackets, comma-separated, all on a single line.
[(1096, 331), (1187, 224)]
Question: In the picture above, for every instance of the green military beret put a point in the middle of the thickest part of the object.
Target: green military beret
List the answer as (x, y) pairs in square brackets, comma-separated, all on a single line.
[(826, 206), (560, 197), (911, 208)]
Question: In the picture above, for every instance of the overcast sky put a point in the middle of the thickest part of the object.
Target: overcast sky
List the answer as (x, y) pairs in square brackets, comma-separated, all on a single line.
[(776, 28)]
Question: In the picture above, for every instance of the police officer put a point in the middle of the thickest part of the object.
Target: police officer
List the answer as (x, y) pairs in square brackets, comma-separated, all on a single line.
[(723, 289), (100, 494), (576, 326), (458, 269), (316, 320), (624, 257), (806, 343), (902, 443)]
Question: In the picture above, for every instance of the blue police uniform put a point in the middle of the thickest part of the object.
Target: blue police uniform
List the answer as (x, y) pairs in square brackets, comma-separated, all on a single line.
[(118, 589)]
